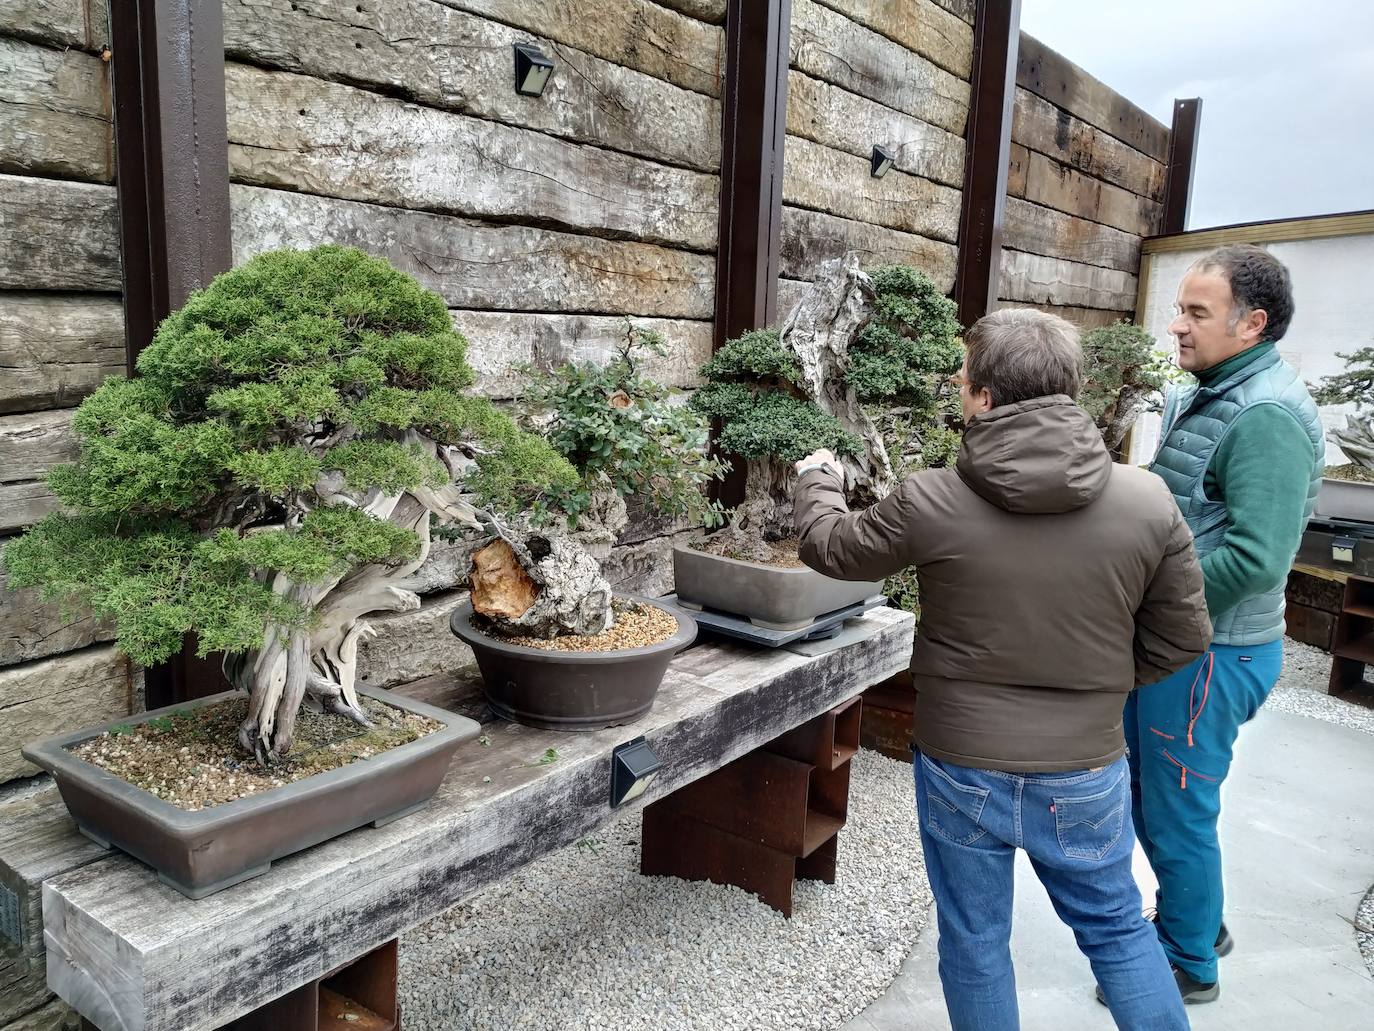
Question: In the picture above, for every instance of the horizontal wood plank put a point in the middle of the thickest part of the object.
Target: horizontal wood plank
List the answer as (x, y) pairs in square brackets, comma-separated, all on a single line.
[(481, 266), (1040, 230), (1050, 75), (1018, 165), (57, 112), (829, 46), (57, 348), (452, 59), (358, 145), (638, 34), (829, 180), (810, 237), (1065, 189), (33, 442), (836, 118), (54, 1016), (122, 948), (59, 694), (712, 11), (23, 504), (1039, 125), (499, 340), (67, 23), (31, 628), (922, 26), (962, 8), (1036, 279), (58, 235), (1083, 318)]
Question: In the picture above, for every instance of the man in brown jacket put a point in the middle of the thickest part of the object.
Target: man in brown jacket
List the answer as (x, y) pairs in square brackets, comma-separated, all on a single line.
[(1052, 582)]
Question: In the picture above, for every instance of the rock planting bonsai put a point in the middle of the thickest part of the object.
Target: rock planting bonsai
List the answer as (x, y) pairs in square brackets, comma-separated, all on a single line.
[(270, 476)]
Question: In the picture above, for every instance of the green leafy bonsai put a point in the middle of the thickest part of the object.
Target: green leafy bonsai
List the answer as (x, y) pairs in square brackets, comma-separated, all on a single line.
[(270, 475), (624, 432), (857, 345)]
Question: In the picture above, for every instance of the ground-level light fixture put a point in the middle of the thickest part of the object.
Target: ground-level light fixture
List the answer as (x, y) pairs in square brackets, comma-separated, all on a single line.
[(881, 162), (633, 768), (532, 70)]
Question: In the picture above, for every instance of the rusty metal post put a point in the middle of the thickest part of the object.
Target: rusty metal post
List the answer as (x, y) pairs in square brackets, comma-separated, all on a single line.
[(172, 181), (753, 133), (996, 34), (1178, 175)]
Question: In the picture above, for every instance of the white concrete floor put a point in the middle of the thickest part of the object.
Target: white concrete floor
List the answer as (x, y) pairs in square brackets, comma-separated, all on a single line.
[(1298, 843)]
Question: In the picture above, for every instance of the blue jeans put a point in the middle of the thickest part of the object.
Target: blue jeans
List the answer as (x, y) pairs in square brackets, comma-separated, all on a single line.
[(1074, 828), (1180, 733)]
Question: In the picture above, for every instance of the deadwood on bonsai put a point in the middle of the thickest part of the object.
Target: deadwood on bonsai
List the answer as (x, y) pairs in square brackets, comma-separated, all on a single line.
[(270, 477), (1123, 373), (1354, 386)]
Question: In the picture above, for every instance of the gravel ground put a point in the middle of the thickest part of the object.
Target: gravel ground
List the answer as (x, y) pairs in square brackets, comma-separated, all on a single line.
[(579, 940)]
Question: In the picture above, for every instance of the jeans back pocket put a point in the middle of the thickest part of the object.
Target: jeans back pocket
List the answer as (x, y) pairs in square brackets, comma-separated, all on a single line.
[(952, 809), (1089, 826)]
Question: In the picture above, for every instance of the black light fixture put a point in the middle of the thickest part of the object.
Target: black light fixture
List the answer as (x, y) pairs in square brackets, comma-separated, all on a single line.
[(633, 768), (881, 162), (532, 70)]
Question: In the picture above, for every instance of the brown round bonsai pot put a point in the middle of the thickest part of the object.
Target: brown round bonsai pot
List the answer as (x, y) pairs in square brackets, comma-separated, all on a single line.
[(560, 690)]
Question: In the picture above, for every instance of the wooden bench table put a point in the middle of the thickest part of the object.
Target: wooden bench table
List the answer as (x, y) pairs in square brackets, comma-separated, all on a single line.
[(131, 954)]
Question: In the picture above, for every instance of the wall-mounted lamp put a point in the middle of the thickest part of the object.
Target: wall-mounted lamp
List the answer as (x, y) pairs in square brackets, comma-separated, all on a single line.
[(881, 162), (532, 70), (633, 768)]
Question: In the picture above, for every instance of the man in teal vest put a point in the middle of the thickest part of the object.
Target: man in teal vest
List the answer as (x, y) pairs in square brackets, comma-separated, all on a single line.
[(1242, 451)]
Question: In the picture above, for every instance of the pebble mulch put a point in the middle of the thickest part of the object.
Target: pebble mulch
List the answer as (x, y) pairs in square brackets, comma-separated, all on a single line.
[(636, 626)]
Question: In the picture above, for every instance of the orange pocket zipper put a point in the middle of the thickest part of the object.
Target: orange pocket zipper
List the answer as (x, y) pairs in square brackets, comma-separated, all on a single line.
[(1183, 772)]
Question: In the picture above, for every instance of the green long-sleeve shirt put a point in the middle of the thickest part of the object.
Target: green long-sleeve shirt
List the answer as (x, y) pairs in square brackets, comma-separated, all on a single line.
[(1262, 471)]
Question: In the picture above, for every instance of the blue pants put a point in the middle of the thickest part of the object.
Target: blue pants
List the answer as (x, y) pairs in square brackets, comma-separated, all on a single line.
[(1180, 732), (1074, 828)]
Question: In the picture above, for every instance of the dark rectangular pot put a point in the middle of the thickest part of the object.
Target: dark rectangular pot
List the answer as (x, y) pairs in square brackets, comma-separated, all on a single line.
[(199, 853), (774, 597)]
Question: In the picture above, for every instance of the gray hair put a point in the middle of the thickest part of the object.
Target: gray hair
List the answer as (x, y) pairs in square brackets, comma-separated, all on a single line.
[(1021, 353), (1259, 281)]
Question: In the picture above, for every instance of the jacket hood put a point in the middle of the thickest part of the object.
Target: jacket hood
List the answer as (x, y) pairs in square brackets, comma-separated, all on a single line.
[(1040, 456)]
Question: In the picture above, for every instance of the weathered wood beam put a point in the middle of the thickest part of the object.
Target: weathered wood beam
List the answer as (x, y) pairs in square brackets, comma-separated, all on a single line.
[(454, 60), (829, 45), (963, 8), (65, 23), (23, 504), (922, 26), (58, 235), (1040, 126), (31, 628), (1178, 177), (57, 113), (1040, 230), (1036, 279), (635, 33), (482, 266), (33, 442), (1018, 164), (829, 180), (810, 237), (1066, 189), (1049, 75), (362, 146), (712, 11), (57, 348), (168, 74), (996, 29), (1083, 318), (124, 950)]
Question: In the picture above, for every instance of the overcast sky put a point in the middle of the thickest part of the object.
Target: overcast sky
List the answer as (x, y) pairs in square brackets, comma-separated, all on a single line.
[(1287, 92)]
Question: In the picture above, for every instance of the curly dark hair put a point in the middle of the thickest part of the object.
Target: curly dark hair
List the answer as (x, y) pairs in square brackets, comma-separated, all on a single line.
[(1258, 281)]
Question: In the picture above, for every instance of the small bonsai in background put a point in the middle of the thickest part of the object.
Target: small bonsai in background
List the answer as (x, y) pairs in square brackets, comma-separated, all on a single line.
[(1122, 371), (855, 345), (1354, 386), (269, 478), (624, 433)]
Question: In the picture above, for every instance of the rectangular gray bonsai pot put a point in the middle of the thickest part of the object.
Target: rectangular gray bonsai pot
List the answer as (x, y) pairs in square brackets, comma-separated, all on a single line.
[(774, 597), (1345, 499), (199, 853)]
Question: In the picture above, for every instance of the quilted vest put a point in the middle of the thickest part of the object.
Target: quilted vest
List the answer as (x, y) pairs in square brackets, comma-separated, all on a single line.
[(1196, 420)]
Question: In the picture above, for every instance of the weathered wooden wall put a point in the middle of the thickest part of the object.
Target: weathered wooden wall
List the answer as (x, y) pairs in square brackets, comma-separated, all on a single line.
[(865, 73), (1085, 182)]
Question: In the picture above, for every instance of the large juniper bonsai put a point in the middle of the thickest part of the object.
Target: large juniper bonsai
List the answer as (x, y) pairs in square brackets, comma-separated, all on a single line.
[(269, 477), (856, 345), (1353, 386)]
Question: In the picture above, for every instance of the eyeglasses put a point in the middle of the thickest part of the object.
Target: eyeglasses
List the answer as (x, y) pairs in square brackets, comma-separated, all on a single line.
[(958, 381)]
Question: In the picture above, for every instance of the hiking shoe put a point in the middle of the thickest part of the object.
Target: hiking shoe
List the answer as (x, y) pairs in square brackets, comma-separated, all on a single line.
[(1193, 992)]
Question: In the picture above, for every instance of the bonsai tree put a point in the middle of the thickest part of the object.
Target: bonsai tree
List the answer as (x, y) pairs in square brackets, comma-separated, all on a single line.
[(855, 344), (271, 475), (624, 433), (1122, 371), (1354, 386)]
